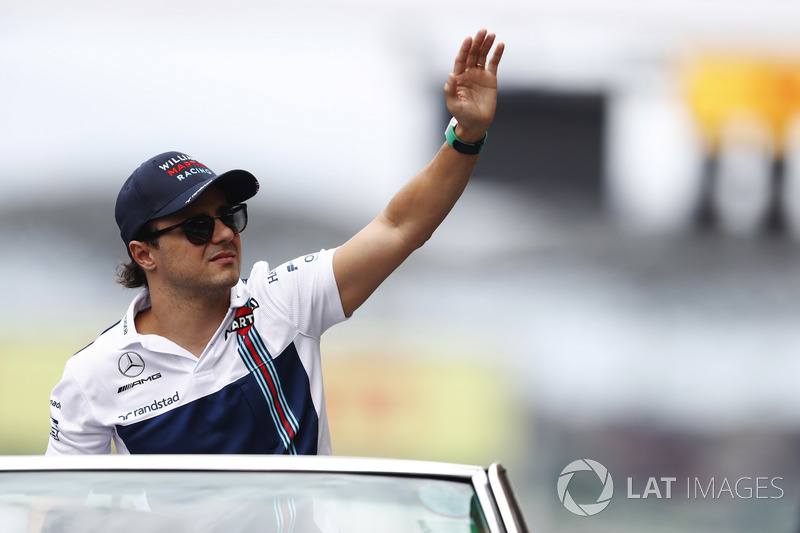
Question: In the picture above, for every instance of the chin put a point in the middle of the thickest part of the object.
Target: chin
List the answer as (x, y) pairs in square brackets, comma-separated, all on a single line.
[(234, 278), (223, 282)]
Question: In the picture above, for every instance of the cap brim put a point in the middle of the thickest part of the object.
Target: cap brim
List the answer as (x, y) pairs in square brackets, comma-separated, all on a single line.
[(236, 185)]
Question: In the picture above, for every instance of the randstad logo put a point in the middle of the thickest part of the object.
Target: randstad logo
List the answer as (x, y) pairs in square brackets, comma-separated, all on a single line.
[(585, 509)]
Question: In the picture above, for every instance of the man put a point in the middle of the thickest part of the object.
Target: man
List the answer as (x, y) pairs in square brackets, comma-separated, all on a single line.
[(205, 362)]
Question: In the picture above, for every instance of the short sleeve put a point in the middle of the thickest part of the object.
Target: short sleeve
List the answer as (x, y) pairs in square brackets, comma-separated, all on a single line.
[(305, 291), (73, 427)]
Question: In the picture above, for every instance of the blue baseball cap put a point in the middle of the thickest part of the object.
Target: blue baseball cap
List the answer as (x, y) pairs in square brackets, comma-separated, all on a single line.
[(169, 182)]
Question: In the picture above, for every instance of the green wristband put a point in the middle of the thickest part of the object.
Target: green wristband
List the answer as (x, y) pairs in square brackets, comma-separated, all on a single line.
[(459, 145)]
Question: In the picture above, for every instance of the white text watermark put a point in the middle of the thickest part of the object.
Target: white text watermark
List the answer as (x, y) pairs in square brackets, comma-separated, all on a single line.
[(662, 488)]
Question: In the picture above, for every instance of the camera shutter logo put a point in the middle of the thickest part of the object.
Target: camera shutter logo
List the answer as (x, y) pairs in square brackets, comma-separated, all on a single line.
[(585, 509), (131, 364)]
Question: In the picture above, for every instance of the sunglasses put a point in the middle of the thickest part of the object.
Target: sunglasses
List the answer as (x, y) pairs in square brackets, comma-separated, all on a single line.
[(199, 229)]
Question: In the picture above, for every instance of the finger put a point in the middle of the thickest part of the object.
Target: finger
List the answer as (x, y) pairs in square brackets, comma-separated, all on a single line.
[(496, 57), (450, 86), (461, 58), (483, 53), (474, 50)]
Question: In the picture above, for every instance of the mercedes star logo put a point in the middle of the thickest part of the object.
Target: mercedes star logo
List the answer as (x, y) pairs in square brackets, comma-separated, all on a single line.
[(131, 364)]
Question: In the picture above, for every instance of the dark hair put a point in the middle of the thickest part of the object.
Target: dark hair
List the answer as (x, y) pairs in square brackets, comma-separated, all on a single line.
[(130, 275)]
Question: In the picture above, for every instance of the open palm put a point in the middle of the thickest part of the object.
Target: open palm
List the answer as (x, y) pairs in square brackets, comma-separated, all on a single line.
[(471, 89)]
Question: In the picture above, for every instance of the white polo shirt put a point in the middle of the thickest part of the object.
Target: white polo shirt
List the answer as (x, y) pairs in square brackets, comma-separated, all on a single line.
[(257, 387)]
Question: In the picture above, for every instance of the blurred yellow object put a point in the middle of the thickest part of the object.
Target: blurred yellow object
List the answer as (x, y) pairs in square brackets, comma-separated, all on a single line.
[(420, 408), (721, 88), (29, 369), (431, 408)]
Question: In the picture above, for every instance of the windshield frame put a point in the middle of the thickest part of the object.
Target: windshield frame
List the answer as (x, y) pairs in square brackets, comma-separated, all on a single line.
[(475, 476)]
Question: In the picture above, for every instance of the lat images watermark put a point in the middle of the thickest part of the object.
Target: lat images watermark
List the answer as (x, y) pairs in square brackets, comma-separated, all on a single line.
[(663, 488), (585, 509), (741, 488)]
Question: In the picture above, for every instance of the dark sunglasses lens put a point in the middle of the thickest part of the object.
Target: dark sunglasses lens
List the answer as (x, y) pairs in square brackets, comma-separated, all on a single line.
[(199, 229), (240, 218), (236, 219)]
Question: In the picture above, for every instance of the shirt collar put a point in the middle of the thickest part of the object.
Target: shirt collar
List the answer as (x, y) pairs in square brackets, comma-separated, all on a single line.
[(129, 334), (240, 294)]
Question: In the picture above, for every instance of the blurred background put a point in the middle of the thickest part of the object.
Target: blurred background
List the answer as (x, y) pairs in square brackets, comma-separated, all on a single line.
[(618, 283)]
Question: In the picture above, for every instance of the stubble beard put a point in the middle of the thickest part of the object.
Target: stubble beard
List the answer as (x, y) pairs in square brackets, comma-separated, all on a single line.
[(206, 286)]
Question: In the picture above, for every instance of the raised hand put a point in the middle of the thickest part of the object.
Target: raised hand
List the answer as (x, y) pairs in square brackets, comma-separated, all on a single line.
[(471, 89)]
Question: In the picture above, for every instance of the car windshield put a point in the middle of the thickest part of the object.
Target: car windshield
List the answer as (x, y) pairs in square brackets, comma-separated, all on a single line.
[(175, 501)]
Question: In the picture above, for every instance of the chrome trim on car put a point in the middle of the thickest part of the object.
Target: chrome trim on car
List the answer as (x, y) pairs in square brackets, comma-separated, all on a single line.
[(303, 463), (506, 499), (494, 495)]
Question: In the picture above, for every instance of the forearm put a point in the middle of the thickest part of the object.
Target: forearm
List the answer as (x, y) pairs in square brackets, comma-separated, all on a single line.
[(424, 202), (362, 263)]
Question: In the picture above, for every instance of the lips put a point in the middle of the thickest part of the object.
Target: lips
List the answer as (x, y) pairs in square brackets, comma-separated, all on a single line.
[(223, 257)]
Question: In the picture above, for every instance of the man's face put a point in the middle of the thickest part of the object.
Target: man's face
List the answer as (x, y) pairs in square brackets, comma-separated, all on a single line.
[(198, 270)]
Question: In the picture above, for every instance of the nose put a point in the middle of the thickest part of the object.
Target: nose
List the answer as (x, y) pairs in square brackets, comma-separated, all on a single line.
[(222, 233)]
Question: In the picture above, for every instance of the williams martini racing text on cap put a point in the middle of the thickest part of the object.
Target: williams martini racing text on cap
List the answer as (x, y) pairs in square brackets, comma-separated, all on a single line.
[(169, 182)]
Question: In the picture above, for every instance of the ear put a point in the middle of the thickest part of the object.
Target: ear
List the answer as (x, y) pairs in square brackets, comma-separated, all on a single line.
[(142, 253)]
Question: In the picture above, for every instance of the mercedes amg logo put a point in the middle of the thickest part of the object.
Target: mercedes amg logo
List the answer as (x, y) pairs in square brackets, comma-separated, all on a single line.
[(131, 364)]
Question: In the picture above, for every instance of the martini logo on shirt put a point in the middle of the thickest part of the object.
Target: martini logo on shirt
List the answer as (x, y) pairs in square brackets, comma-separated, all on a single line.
[(244, 319)]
